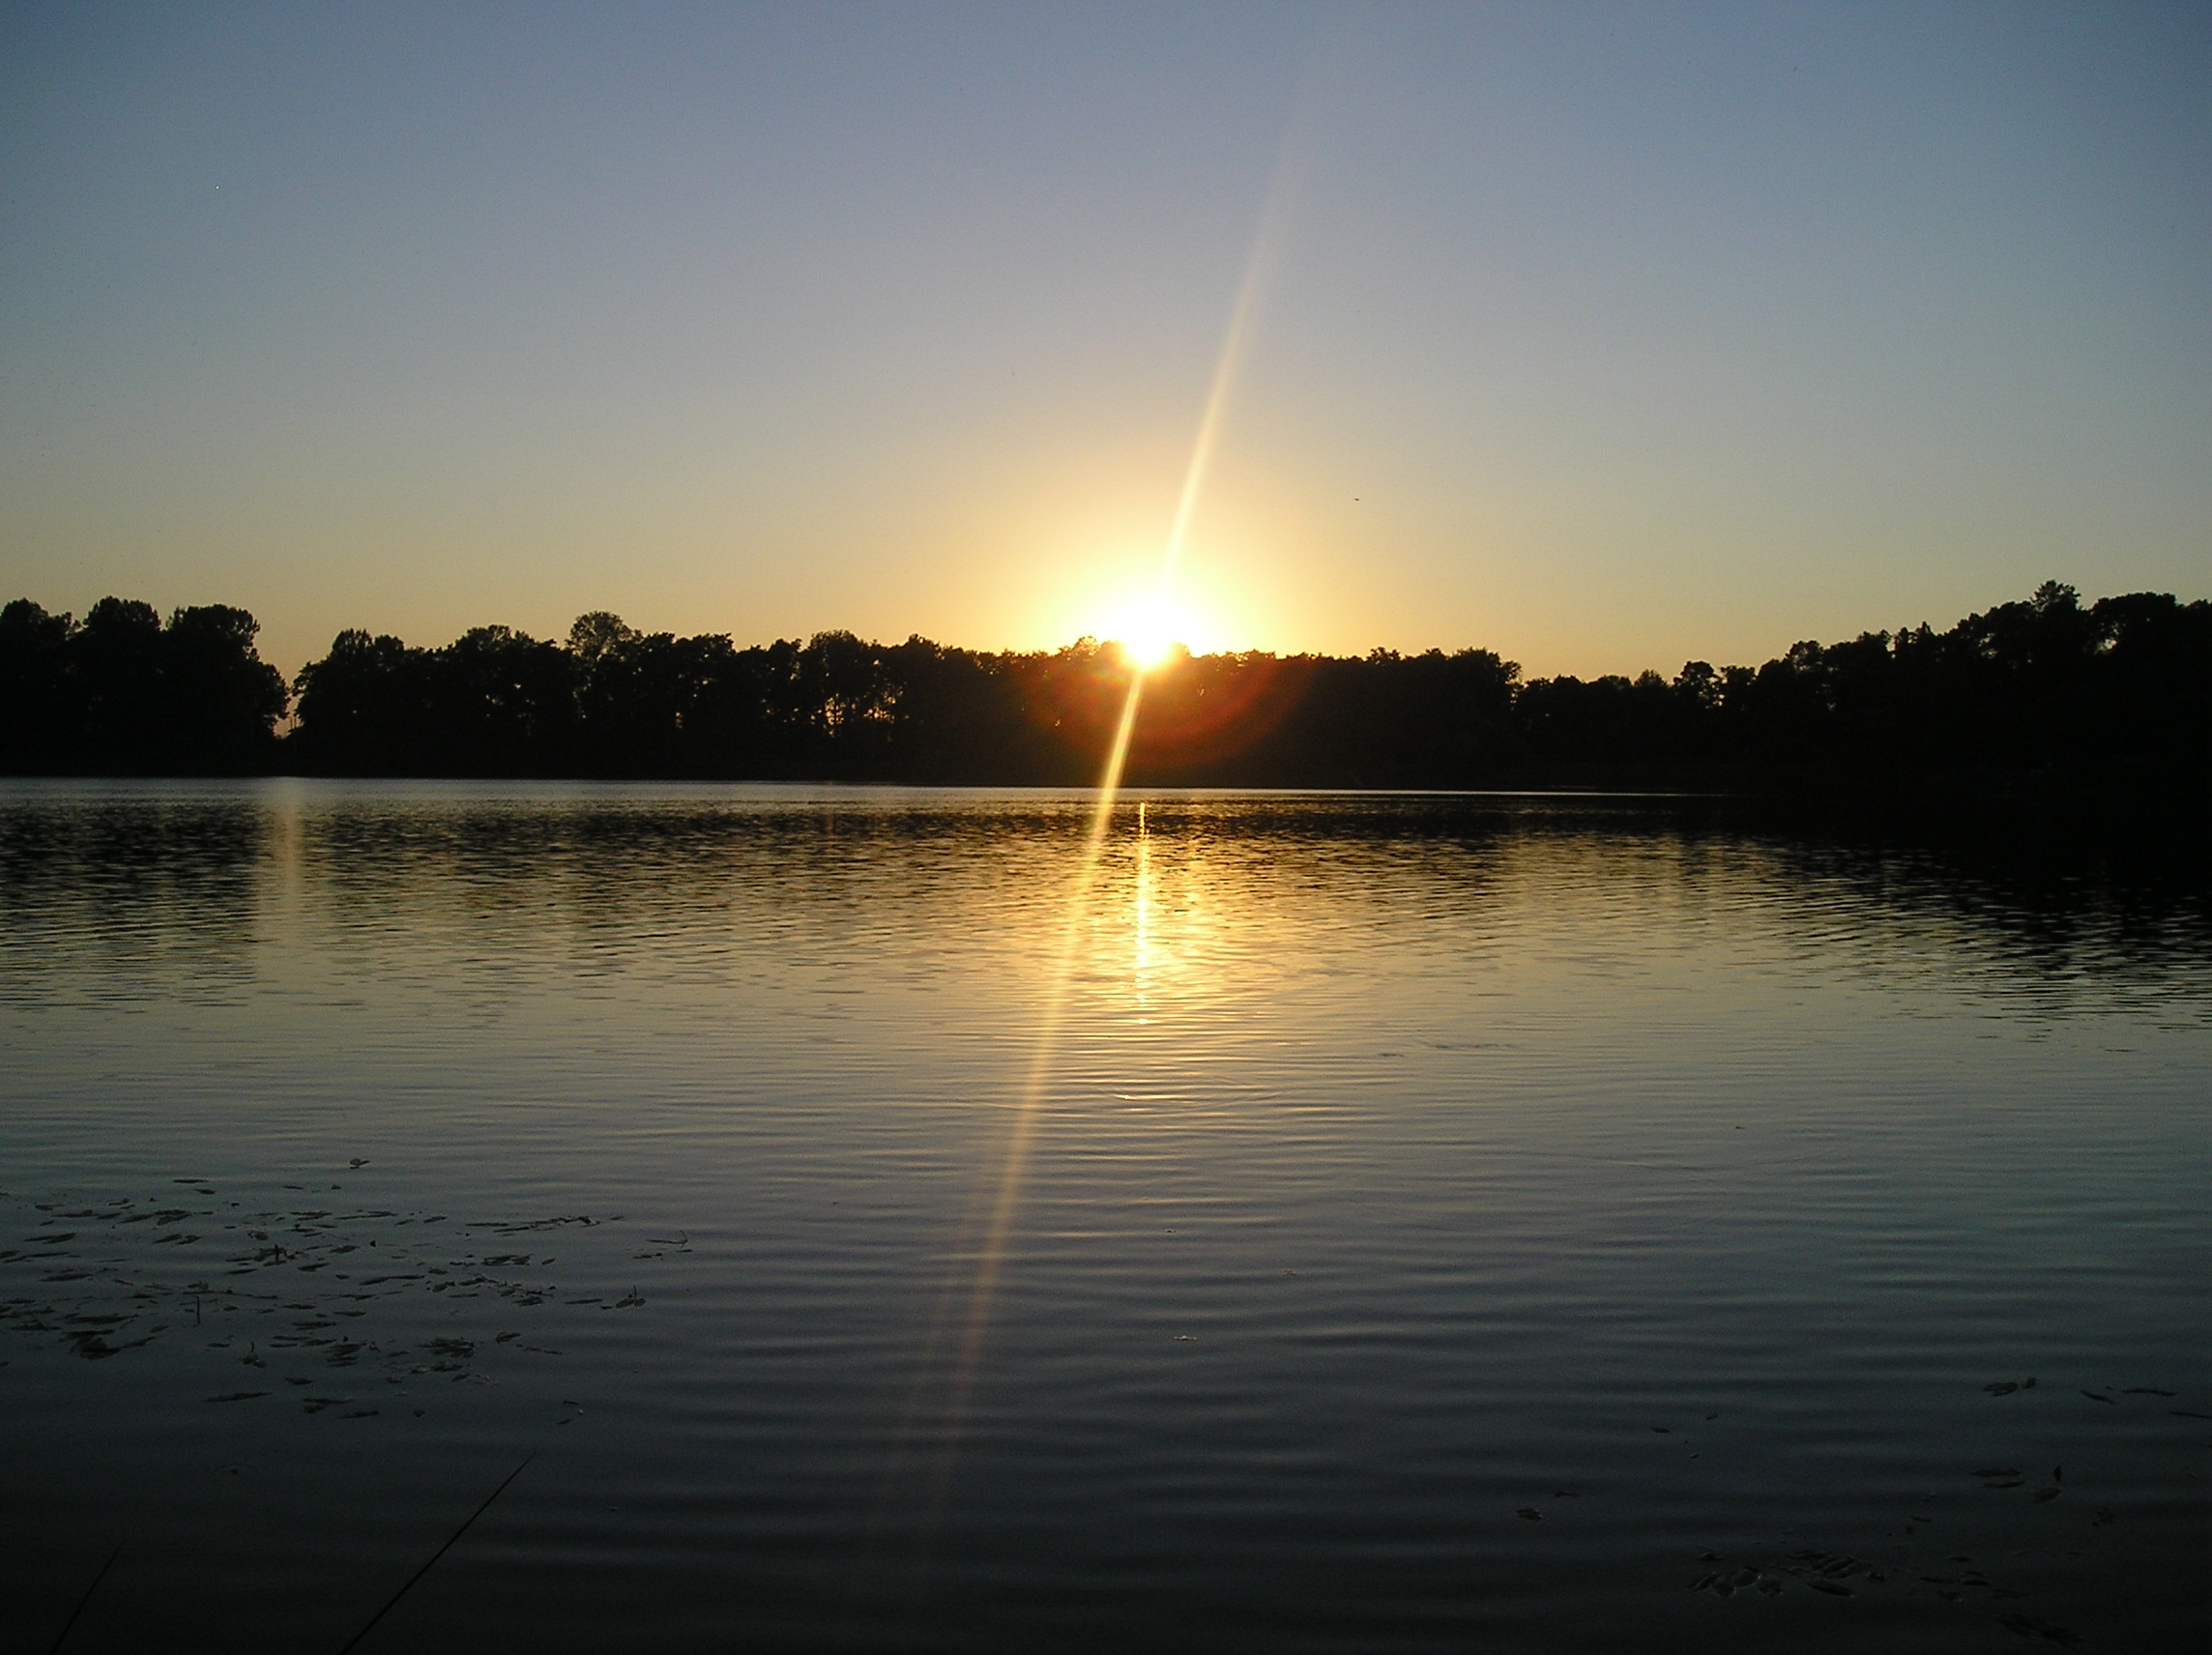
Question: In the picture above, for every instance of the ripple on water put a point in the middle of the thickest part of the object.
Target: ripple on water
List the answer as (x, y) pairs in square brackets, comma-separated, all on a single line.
[(1569, 1222)]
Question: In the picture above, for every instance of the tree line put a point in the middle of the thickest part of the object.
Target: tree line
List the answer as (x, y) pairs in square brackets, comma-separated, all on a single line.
[(121, 692), (2048, 683)]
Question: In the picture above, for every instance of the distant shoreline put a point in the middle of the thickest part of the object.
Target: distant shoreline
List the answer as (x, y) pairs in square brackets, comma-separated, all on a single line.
[(2031, 700)]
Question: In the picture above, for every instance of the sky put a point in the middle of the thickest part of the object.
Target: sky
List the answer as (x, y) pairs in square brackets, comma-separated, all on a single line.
[(1605, 336)]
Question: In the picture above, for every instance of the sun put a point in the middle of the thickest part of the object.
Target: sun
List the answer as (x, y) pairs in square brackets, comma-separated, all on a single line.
[(1148, 632), (1144, 647)]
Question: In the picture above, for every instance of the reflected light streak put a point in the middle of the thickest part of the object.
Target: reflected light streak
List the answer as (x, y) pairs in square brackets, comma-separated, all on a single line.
[(992, 1256), (991, 1252)]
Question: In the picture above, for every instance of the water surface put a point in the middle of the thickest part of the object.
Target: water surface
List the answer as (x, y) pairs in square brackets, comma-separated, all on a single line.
[(1335, 1222)]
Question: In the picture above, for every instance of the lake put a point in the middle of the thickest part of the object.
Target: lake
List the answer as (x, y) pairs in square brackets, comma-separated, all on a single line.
[(908, 1220)]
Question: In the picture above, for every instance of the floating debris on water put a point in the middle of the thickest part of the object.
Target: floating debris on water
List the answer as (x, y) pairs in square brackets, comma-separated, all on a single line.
[(2028, 1626), (125, 1278), (1822, 1571)]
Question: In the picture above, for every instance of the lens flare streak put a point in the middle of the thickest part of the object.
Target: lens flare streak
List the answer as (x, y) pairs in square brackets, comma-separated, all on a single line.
[(946, 1380)]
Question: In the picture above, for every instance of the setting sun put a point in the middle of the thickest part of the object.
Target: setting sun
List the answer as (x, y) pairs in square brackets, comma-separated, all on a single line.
[(1144, 647), (1148, 630)]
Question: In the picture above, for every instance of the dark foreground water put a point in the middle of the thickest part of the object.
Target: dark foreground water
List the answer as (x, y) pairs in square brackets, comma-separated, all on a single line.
[(1340, 1224)]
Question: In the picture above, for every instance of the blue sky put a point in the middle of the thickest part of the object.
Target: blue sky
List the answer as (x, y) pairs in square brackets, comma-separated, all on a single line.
[(1605, 336)]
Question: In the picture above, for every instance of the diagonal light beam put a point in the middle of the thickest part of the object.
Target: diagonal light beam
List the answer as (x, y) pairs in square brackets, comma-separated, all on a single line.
[(959, 1379)]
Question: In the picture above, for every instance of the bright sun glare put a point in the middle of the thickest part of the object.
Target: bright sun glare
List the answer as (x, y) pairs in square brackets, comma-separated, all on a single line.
[(1144, 647), (1148, 632)]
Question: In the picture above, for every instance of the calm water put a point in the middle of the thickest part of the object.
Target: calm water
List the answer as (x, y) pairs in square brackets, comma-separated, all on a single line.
[(1335, 1223)]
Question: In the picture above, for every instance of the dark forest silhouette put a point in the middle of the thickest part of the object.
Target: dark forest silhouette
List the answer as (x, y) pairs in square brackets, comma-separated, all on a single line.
[(120, 692), (2045, 685)]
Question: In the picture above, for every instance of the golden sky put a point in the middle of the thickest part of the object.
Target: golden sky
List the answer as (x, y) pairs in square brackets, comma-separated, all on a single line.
[(1603, 337)]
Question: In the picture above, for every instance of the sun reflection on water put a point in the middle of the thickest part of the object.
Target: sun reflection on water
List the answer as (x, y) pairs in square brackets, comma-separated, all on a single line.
[(1141, 908)]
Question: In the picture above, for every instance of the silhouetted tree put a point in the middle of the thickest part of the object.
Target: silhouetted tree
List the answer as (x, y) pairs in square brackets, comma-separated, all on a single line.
[(42, 716), (223, 700), (121, 693)]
